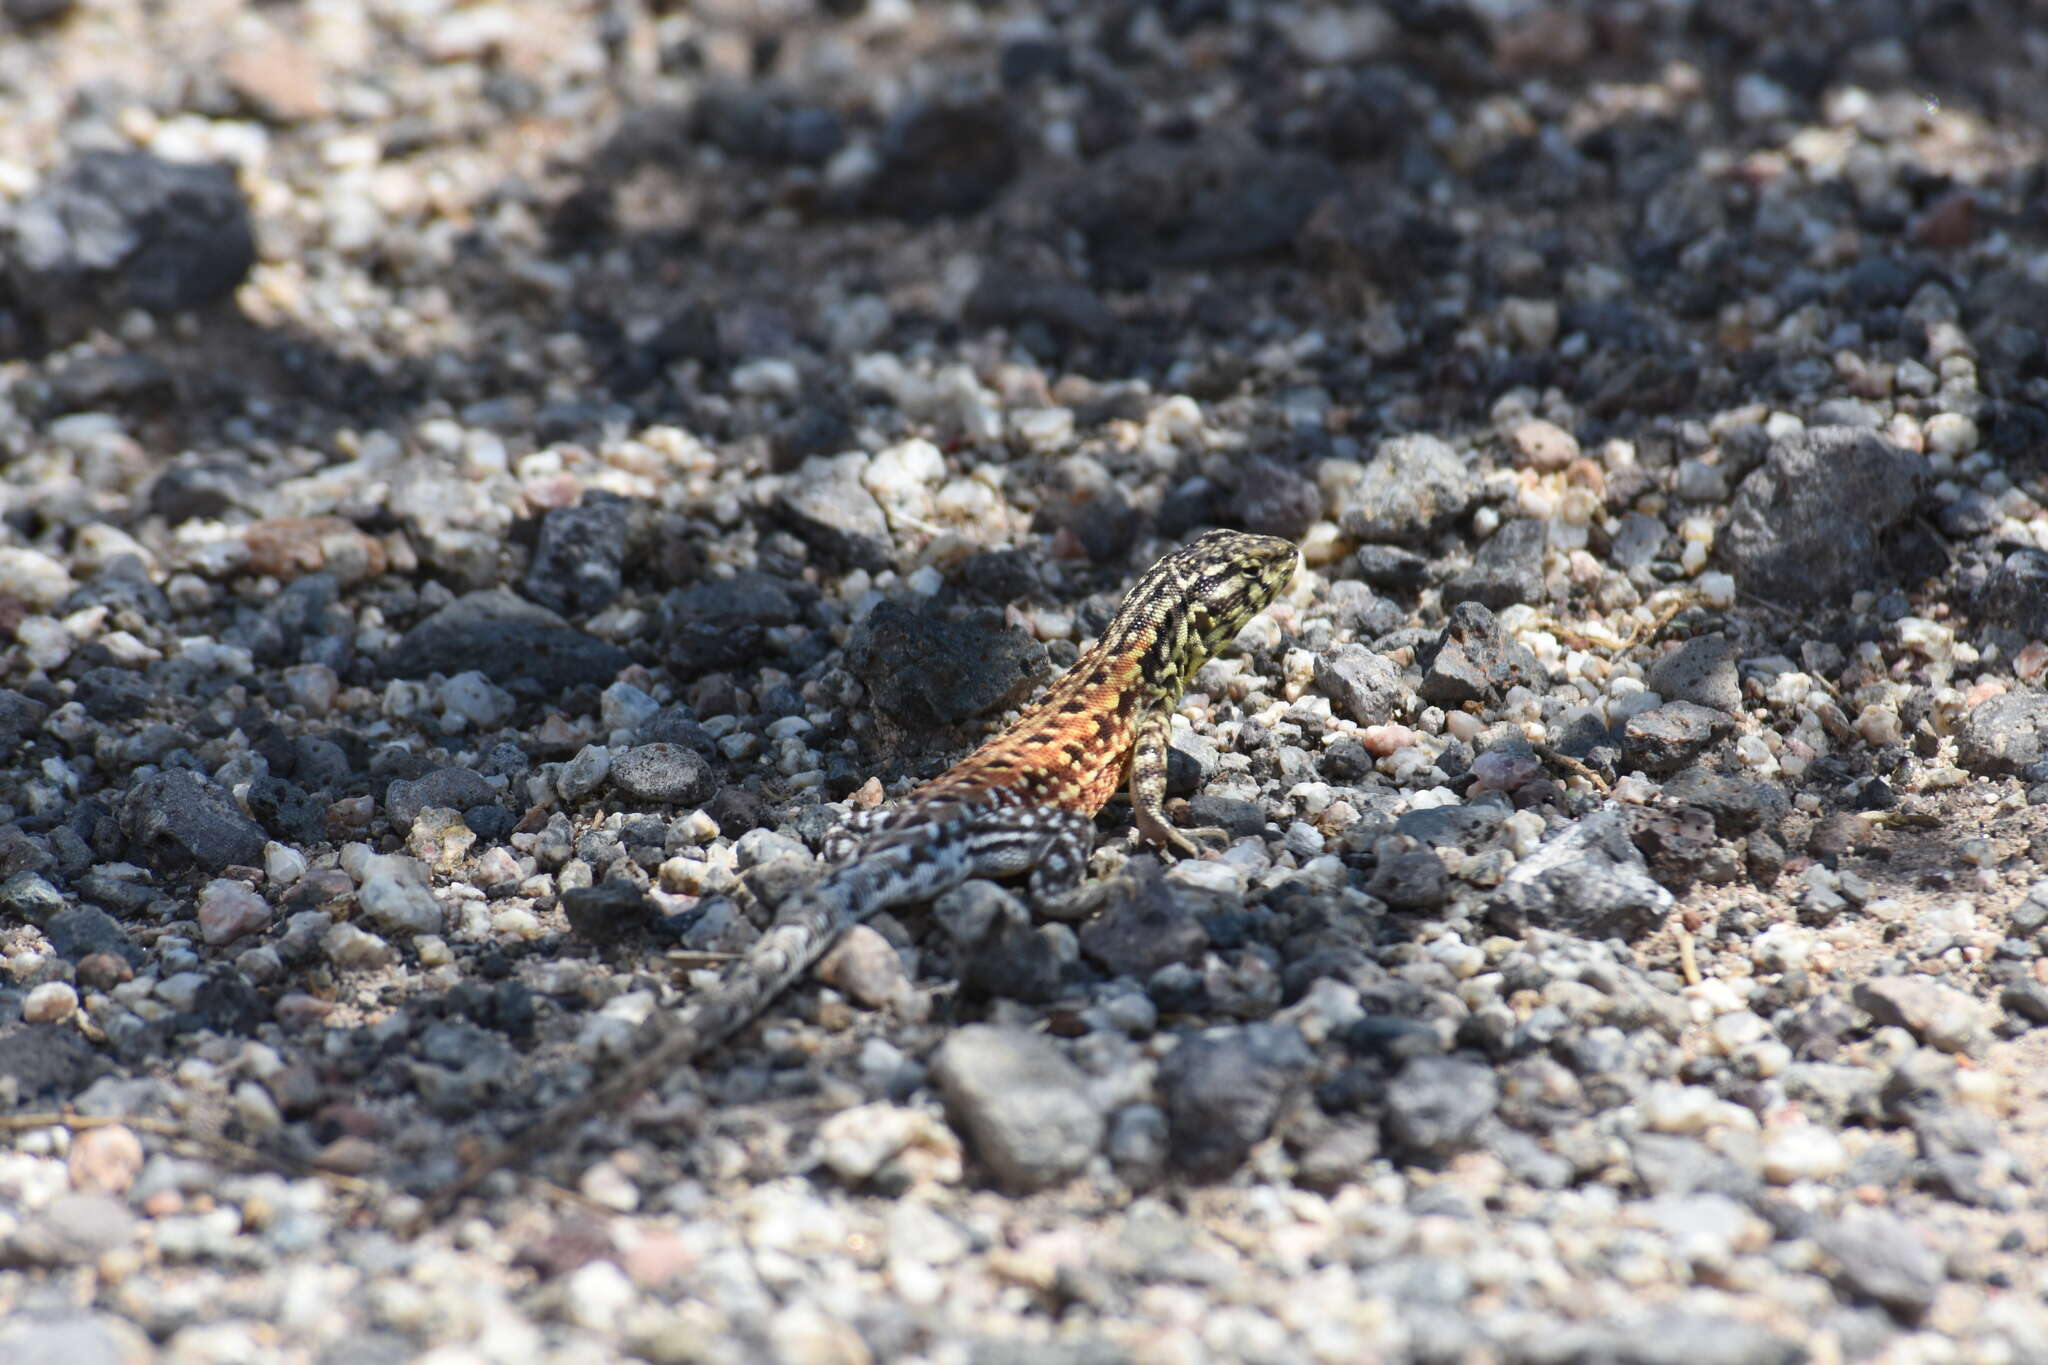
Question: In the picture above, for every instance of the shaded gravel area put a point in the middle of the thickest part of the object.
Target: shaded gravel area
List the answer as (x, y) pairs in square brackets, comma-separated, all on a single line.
[(489, 486)]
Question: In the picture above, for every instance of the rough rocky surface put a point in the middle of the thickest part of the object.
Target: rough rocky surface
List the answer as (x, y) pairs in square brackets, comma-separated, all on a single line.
[(489, 485)]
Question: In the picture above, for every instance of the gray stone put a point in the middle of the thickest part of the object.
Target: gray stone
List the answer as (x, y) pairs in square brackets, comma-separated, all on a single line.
[(75, 1228), (1473, 659), (83, 1339), (2007, 734), (449, 788), (1590, 881), (396, 897), (1882, 1258), (1224, 1088), (1701, 670), (576, 568), (1940, 1016), (1364, 685), (1672, 1336), (1435, 1105), (1414, 487), (28, 899), (1636, 542), (667, 773), (824, 504), (1022, 1105), (2025, 999)]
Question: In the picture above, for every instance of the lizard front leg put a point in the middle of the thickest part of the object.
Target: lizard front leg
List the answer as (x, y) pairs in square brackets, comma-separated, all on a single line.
[(1148, 783)]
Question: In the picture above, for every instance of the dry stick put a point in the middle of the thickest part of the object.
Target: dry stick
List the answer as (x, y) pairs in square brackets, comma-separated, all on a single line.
[(1564, 760), (1688, 957)]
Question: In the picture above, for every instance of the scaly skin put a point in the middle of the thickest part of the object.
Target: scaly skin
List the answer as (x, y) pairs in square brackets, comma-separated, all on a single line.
[(1024, 802)]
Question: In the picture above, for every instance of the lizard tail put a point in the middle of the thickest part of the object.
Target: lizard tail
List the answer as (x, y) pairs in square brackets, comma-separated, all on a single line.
[(806, 925)]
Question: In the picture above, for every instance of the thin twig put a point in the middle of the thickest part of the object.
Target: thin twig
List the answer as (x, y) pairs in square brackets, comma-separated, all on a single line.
[(226, 1148), (1550, 754), (1688, 957)]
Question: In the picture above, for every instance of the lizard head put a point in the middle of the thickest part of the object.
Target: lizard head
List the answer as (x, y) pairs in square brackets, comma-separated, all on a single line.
[(1199, 597)]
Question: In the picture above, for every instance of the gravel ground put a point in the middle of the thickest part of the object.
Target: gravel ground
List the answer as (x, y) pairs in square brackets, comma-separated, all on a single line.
[(488, 485)]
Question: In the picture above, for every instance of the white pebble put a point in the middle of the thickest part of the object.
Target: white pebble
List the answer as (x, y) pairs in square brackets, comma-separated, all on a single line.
[(516, 922), (49, 1003), (1803, 1151), (312, 686), (281, 864), (1950, 434), (348, 946), (1878, 725), (768, 377), (1673, 1108), (44, 642)]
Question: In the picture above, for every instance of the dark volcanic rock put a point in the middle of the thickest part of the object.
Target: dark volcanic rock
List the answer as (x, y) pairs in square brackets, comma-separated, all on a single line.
[(1508, 568), (2017, 594), (20, 717), (945, 159), (576, 565), (1147, 925), (177, 819), (1009, 298), (1224, 1088), (1155, 202), (507, 639), (1805, 526), (1676, 844), (48, 1059), (997, 949), (1670, 736), (1475, 660), (720, 622), (451, 788), (923, 673), (1738, 804), (119, 230), (609, 912), (1409, 878), (1272, 500)]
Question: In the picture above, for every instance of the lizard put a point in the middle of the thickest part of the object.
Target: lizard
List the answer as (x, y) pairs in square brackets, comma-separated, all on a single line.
[(1022, 803)]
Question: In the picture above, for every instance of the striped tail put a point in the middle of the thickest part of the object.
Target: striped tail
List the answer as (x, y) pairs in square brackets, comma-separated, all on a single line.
[(807, 925)]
